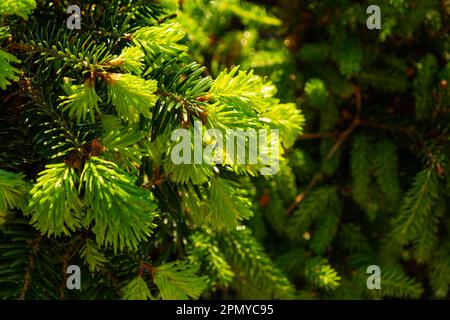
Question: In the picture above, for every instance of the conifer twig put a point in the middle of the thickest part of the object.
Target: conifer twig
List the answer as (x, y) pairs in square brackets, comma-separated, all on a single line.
[(341, 139), (318, 135), (35, 245)]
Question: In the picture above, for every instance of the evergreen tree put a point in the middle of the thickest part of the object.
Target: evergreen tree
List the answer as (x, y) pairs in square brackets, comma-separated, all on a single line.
[(87, 172), (87, 179)]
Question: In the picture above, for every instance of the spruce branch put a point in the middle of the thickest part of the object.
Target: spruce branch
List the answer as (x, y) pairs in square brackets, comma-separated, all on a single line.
[(35, 246)]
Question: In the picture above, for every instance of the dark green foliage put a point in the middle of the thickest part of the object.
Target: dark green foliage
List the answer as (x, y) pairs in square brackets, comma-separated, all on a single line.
[(371, 173)]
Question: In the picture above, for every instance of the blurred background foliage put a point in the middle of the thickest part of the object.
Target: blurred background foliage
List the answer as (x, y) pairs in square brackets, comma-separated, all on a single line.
[(368, 182)]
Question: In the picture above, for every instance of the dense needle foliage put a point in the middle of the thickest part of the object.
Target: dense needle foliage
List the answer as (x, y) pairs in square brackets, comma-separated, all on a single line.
[(87, 179)]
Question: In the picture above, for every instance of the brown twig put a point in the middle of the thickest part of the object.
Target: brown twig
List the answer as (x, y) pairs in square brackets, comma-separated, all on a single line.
[(169, 17), (35, 245), (339, 142), (299, 198), (386, 127), (64, 277), (318, 135), (71, 250), (145, 266)]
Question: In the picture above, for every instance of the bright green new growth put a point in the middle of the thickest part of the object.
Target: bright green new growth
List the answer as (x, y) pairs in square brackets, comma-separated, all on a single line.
[(136, 289), (55, 205), (109, 197), (131, 95), (177, 281), (121, 212), (21, 8), (159, 39), (12, 190), (82, 100), (131, 59), (94, 258), (9, 73)]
